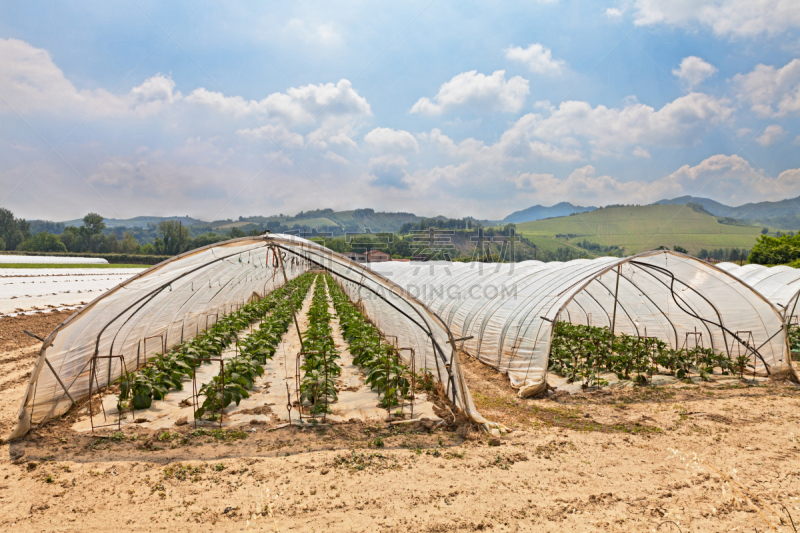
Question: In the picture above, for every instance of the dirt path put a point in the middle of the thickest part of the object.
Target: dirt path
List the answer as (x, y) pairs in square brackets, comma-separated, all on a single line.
[(356, 399), (279, 372)]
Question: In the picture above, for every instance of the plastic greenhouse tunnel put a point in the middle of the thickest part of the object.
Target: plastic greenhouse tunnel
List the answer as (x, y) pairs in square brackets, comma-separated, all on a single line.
[(507, 312), (779, 284), (507, 315), (181, 298)]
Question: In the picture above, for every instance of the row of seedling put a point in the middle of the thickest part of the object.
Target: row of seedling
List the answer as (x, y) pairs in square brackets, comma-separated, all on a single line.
[(583, 353), (238, 374), (384, 372), (317, 384), (794, 340), (165, 372)]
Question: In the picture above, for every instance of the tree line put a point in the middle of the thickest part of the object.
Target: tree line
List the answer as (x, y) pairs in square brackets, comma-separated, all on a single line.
[(92, 237), (780, 250), (169, 237)]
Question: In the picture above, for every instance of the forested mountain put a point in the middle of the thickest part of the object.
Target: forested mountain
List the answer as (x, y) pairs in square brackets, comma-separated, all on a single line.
[(783, 214), (539, 212)]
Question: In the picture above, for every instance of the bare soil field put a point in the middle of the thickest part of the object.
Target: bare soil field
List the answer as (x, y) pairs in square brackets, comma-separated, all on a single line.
[(698, 458), (18, 352)]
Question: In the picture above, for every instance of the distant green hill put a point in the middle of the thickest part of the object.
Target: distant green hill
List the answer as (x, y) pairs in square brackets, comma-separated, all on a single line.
[(346, 221), (784, 214), (137, 222), (641, 228), (538, 212), (354, 221)]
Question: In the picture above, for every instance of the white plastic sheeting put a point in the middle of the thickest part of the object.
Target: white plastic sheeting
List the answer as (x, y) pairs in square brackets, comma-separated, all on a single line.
[(51, 260), (508, 310), (176, 299), (25, 289), (779, 284)]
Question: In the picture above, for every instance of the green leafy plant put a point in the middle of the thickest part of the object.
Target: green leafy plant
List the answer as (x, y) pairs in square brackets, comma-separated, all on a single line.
[(318, 385), (384, 371), (238, 374), (165, 372), (139, 388), (581, 352), (741, 364)]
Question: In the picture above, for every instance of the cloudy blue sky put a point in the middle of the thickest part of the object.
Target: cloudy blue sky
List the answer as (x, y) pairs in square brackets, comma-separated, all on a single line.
[(219, 109)]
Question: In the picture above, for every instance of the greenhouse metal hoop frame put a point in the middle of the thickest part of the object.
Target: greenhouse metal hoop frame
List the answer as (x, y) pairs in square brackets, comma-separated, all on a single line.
[(666, 279), (675, 297), (269, 242), (437, 348)]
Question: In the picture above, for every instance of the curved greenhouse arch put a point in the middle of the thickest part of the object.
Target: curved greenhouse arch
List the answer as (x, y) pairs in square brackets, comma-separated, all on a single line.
[(506, 312), (779, 284), (174, 300)]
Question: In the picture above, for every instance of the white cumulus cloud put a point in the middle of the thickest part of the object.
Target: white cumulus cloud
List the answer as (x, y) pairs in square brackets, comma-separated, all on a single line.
[(336, 110), (584, 185), (574, 130), (680, 122), (694, 71), (726, 178), (471, 89), (388, 170), (336, 158), (30, 82), (771, 134), (444, 144), (298, 105), (726, 18), (276, 133), (732, 180), (388, 139), (537, 58), (771, 92)]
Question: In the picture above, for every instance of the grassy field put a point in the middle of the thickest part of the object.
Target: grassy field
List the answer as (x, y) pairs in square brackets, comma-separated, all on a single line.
[(68, 265), (315, 223), (641, 228)]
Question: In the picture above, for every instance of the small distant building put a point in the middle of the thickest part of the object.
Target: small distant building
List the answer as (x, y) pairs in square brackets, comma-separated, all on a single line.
[(355, 256), (420, 258), (402, 260), (373, 256), (378, 256)]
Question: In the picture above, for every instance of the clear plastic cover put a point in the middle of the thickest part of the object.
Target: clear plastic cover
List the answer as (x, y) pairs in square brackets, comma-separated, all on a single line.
[(505, 312), (175, 300), (779, 284)]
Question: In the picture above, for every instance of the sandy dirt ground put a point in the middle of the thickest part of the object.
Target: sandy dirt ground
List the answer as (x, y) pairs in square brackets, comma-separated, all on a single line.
[(18, 353), (698, 458)]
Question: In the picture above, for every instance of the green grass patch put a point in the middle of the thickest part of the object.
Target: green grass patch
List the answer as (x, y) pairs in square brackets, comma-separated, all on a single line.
[(222, 435), (642, 228)]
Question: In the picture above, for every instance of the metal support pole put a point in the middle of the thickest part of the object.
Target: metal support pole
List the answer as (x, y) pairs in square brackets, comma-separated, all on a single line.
[(614, 314), (53, 370), (787, 320), (294, 315)]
